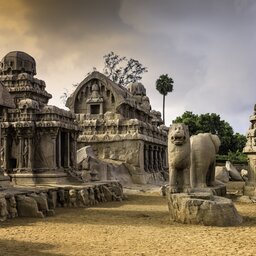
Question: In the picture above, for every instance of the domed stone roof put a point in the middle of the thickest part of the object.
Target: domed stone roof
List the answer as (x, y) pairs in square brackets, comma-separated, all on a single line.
[(136, 89), (17, 62)]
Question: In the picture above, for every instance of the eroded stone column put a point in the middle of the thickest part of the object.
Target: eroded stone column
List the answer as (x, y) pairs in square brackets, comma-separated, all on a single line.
[(20, 154), (5, 152), (59, 149), (146, 158), (73, 150), (68, 149), (151, 158), (54, 144), (30, 153)]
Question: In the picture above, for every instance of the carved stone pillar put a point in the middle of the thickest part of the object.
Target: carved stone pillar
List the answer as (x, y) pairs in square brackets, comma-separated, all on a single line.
[(5, 152), (54, 134), (152, 158), (156, 159), (160, 160), (59, 149), (73, 150), (68, 149), (145, 158), (20, 153), (164, 158), (30, 153)]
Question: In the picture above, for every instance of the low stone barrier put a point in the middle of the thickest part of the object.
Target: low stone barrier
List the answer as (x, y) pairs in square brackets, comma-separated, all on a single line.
[(40, 202)]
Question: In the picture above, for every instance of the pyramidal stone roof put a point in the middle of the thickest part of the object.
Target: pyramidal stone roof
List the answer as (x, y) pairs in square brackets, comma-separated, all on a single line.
[(6, 100)]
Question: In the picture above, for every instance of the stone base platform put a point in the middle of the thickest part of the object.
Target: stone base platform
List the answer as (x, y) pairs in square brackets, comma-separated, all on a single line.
[(40, 201), (44, 177), (202, 208), (218, 190)]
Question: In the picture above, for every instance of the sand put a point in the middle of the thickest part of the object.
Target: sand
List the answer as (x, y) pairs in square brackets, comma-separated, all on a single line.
[(138, 226)]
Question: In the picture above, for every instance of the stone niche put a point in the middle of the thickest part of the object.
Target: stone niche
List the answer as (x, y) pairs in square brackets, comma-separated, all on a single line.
[(38, 140)]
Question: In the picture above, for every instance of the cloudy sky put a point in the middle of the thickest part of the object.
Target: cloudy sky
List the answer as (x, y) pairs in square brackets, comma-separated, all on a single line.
[(206, 46)]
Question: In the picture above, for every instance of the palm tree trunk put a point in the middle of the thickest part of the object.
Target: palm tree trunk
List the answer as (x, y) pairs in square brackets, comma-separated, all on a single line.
[(163, 109)]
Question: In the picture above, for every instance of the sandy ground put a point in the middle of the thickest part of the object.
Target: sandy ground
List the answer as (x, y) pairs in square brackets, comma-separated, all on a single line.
[(138, 226)]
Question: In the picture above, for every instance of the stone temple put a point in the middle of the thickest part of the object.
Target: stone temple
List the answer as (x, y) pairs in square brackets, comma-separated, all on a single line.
[(120, 126), (250, 151), (38, 140)]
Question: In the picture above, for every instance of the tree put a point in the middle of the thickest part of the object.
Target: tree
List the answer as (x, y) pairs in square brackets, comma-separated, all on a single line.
[(212, 123), (164, 84), (122, 70)]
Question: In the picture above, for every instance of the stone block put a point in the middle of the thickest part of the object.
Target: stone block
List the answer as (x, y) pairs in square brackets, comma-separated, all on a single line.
[(27, 207), (202, 208)]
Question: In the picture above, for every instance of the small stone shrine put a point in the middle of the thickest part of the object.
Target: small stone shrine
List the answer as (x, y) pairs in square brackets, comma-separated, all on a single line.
[(38, 140), (120, 126), (250, 151)]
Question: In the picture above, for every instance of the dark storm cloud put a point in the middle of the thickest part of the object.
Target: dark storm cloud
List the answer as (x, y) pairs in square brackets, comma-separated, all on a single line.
[(207, 46), (73, 18)]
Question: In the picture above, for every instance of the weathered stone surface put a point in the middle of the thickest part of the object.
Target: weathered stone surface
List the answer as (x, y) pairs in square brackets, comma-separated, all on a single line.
[(3, 209), (83, 197), (42, 203), (27, 207), (101, 169), (233, 172), (244, 199), (179, 158), (244, 174), (204, 147), (38, 139), (202, 208), (121, 127), (221, 174), (11, 206), (52, 199)]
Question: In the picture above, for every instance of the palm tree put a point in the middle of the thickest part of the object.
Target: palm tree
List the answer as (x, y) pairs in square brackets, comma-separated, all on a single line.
[(164, 84)]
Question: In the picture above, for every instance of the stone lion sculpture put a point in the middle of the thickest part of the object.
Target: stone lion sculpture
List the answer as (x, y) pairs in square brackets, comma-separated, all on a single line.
[(179, 158), (204, 148)]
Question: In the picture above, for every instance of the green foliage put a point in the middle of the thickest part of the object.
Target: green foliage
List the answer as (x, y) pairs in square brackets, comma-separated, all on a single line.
[(122, 70), (212, 123), (164, 84), (234, 157)]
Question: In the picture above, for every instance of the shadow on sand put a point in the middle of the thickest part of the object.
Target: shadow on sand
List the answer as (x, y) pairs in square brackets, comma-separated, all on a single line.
[(18, 248)]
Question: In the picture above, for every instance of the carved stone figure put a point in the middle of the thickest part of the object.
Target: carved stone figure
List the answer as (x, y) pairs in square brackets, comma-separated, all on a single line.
[(179, 158), (11, 207), (61, 202), (27, 207), (93, 201), (108, 194), (3, 209), (204, 148), (42, 203), (72, 198), (52, 199), (83, 197)]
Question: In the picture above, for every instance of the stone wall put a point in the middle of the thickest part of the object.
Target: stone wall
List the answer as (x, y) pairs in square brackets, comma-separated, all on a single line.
[(41, 201)]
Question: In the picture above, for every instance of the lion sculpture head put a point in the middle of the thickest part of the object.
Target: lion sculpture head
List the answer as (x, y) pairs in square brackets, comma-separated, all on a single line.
[(178, 134)]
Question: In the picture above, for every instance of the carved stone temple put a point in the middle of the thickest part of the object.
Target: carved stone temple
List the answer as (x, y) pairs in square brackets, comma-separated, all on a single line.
[(120, 126), (250, 151), (38, 140)]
